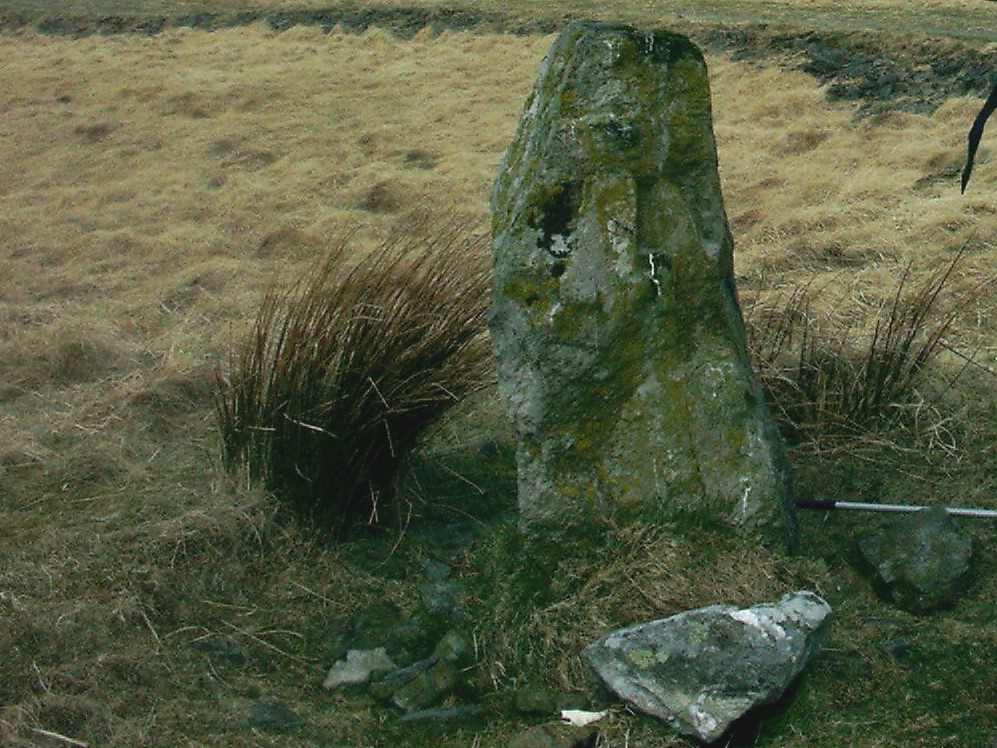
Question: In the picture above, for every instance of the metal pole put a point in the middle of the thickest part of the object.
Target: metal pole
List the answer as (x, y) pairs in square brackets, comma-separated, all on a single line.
[(861, 507)]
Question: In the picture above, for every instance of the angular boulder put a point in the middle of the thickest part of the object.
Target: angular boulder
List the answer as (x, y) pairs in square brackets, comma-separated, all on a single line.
[(619, 340), (702, 669), (920, 562)]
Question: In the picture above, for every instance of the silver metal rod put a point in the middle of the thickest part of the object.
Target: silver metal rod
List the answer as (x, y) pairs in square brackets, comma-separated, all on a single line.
[(862, 507)]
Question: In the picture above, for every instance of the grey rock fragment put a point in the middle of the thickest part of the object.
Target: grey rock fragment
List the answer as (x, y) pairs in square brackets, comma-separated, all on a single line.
[(920, 562), (464, 711), (358, 667), (530, 700), (702, 669)]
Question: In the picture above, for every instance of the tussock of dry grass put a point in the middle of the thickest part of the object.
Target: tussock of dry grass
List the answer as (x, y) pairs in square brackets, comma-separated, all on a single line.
[(164, 185), (833, 376), (346, 370)]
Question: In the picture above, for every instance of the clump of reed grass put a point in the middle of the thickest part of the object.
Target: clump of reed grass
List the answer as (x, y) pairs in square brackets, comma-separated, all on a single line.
[(345, 370), (826, 376)]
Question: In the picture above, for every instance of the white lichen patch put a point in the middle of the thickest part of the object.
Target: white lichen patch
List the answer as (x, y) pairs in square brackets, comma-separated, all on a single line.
[(560, 245), (621, 235)]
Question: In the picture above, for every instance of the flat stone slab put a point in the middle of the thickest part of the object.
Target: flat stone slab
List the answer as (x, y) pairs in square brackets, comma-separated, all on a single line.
[(702, 669)]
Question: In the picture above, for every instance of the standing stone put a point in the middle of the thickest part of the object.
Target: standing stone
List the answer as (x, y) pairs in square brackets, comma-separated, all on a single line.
[(619, 340), (702, 669)]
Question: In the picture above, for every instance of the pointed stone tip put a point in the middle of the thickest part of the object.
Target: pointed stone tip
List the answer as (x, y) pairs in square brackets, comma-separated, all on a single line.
[(662, 44)]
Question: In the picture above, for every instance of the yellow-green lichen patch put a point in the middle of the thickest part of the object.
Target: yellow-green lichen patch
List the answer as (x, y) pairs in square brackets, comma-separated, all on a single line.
[(645, 658)]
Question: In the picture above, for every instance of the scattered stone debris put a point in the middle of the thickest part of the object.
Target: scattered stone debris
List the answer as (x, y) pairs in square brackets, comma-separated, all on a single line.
[(426, 683), (268, 714), (403, 638), (702, 669), (619, 341), (920, 561), (555, 735), (388, 637), (373, 627)]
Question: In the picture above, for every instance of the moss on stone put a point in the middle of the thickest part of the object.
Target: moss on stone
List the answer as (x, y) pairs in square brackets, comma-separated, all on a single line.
[(619, 340)]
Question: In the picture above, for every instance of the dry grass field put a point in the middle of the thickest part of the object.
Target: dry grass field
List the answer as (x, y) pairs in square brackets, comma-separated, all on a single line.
[(153, 187)]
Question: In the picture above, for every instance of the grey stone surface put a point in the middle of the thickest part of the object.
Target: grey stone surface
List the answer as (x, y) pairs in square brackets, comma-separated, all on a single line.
[(441, 597), (921, 561), (703, 669), (618, 335), (555, 735), (358, 667)]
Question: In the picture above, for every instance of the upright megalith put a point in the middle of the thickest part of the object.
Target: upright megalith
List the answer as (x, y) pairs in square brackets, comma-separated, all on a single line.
[(619, 339)]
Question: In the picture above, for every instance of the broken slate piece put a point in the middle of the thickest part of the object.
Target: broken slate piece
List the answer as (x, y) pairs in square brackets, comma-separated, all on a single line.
[(358, 667), (702, 669)]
